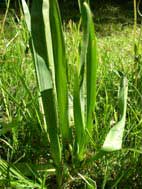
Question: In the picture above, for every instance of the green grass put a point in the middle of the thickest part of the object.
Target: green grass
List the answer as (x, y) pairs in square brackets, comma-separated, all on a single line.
[(22, 140)]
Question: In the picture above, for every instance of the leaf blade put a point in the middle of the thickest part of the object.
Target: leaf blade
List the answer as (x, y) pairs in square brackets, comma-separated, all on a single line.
[(114, 138), (60, 66), (43, 59)]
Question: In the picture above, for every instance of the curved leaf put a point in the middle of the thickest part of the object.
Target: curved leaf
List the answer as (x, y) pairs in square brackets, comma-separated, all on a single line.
[(113, 140)]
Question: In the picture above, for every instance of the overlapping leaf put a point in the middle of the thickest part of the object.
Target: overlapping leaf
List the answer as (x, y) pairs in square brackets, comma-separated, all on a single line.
[(39, 27)]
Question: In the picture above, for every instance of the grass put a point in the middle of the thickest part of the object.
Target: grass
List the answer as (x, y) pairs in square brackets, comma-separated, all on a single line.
[(20, 116)]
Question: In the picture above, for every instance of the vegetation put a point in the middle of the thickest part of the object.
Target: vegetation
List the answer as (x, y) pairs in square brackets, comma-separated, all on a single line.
[(62, 118)]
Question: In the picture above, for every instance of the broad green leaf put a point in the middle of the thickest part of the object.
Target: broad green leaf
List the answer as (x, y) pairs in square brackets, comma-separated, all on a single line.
[(41, 43), (113, 140), (60, 67), (44, 75), (91, 66), (84, 47), (78, 120), (41, 31)]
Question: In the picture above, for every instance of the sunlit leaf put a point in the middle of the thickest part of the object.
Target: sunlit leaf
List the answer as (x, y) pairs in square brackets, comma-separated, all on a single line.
[(114, 138)]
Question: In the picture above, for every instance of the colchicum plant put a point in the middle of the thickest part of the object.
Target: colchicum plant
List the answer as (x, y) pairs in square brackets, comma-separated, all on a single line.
[(68, 144)]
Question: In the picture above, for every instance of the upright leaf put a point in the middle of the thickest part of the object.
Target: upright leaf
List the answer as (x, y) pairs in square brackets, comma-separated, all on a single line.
[(89, 64), (91, 67), (80, 4), (60, 67), (78, 120), (39, 28)]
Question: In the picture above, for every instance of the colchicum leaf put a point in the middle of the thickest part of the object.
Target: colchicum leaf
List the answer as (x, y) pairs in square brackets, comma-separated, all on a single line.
[(60, 67), (113, 140), (38, 24), (91, 66), (88, 67), (78, 119)]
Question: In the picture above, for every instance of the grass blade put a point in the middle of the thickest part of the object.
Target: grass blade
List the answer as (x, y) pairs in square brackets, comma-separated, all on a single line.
[(17, 179), (80, 4), (90, 184), (27, 15)]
